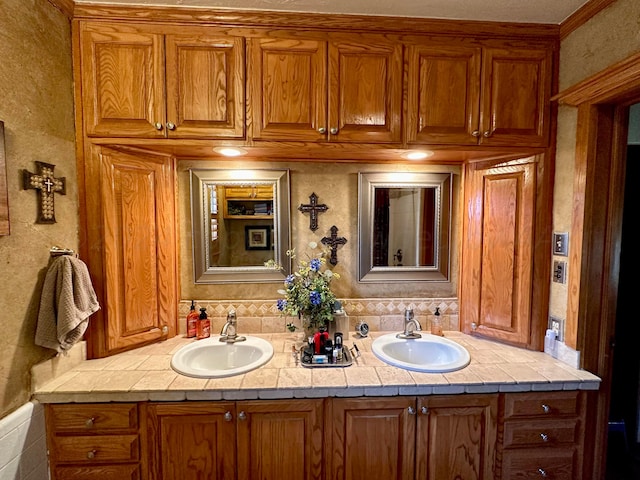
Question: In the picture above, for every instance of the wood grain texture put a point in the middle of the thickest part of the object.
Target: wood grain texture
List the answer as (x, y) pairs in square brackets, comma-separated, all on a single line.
[(103, 472), (65, 6), (582, 16), (4, 194)]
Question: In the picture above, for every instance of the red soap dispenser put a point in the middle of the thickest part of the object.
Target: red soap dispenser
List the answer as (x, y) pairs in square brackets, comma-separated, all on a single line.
[(204, 325), (192, 321)]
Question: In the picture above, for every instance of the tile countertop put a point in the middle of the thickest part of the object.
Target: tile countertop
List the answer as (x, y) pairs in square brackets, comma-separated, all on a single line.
[(145, 374)]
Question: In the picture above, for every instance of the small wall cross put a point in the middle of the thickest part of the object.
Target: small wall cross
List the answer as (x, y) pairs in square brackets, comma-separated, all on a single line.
[(313, 208), (46, 185), (333, 243)]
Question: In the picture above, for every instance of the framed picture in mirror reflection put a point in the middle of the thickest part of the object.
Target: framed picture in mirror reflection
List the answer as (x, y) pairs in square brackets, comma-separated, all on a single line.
[(257, 237)]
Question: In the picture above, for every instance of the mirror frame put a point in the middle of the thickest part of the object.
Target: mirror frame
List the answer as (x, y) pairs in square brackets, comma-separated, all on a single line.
[(201, 233), (367, 183)]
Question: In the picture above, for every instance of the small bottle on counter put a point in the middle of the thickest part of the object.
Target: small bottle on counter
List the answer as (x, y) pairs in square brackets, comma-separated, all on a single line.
[(192, 321), (204, 325), (436, 323)]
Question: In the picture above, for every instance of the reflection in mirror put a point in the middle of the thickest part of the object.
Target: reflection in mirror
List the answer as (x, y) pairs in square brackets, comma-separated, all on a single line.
[(404, 226), (240, 220)]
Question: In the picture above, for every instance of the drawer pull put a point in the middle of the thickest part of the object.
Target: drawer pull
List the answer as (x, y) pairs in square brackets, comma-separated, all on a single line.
[(91, 454), (228, 417), (411, 410), (242, 415), (542, 472), (544, 437), (90, 422), (424, 410), (546, 408)]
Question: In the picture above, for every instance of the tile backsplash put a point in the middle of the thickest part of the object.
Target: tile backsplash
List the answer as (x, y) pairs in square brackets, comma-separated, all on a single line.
[(262, 316)]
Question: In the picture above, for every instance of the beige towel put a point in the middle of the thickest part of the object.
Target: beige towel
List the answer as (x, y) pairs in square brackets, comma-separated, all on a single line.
[(67, 301)]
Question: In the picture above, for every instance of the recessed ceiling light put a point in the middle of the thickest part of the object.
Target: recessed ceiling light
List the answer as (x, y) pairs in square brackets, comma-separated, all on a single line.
[(230, 151), (417, 154)]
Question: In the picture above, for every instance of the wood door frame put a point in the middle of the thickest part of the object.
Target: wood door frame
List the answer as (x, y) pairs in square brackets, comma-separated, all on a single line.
[(603, 102)]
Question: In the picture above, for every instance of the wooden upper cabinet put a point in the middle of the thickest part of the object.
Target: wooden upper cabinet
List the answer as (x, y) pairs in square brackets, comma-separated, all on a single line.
[(341, 90), (472, 94), (138, 82), (497, 260)]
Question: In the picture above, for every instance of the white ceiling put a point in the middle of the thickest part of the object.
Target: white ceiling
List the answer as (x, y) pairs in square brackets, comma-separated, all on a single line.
[(527, 11)]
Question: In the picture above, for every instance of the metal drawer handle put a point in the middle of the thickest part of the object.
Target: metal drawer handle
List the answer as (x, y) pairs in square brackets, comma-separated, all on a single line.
[(90, 422), (334, 131), (424, 410), (322, 130), (411, 410), (242, 416), (544, 437), (228, 417), (546, 408), (542, 472), (475, 133), (91, 454)]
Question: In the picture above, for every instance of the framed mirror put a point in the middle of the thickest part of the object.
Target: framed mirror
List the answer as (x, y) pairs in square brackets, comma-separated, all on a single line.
[(404, 226), (240, 220)]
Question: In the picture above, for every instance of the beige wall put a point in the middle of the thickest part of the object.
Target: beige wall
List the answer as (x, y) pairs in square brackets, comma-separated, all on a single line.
[(336, 185), (36, 105), (609, 37)]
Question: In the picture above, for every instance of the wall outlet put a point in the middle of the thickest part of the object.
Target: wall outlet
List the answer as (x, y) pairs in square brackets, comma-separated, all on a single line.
[(559, 271), (557, 325)]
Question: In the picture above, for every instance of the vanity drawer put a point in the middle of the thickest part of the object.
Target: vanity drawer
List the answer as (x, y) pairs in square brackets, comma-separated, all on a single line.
[(99, 472), (90, 417), (536, 463), (547, 432), (96, 448), (537, 404)]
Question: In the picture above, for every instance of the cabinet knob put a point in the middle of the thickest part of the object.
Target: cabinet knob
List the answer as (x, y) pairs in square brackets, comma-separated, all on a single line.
[(474, 326), (544, 437), (542, 472), (228, 417), (171, 125), (322, 130), (546, 408), (424, 410), (158, 126), (242, 416), (487, 134), (90, 422), (475, 133), (91, 454), (411, 410), (165, 329), (333, 131)]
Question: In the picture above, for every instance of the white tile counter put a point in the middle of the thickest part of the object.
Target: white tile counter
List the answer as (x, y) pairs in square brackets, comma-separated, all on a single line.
[(145, 374)]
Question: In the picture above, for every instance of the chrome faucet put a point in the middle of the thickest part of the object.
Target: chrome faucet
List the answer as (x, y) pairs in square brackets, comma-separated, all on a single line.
[(411, 326), (229, 333)]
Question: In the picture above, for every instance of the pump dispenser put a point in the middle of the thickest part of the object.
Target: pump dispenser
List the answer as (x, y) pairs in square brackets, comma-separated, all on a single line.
[(192, 321), (204, 325)]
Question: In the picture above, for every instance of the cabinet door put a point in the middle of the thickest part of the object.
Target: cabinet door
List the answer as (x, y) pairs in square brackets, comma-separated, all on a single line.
[(443, 94), (365, 90), (280, 439), (456, 437), (205, 85), (372, 438), (497, 259), (192, 441), (138, 224), (289, 88), (122, 81), (516, 92)]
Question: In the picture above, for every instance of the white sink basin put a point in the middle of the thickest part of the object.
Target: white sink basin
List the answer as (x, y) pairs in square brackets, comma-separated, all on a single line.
[(211, 358), (430, 353)]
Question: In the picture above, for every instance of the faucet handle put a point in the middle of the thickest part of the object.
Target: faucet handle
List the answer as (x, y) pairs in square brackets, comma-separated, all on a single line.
[(231, 316), (408, 314)]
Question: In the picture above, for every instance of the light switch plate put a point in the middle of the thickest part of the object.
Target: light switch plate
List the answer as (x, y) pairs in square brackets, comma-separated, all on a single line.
[(561, 244)]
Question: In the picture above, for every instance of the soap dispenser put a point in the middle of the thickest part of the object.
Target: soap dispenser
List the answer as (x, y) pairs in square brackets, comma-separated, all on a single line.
[(204, 325), (192, 321), (436, 323)]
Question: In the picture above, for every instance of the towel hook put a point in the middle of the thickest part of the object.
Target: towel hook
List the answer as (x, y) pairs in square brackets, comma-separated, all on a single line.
[(57, 251)]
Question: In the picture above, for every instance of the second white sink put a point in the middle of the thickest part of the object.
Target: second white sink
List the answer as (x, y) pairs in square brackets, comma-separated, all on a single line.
[(430, 353), (211, 358)]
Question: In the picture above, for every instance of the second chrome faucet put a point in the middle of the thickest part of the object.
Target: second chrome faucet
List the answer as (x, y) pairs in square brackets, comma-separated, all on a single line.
[(411, 326), (229, 331)]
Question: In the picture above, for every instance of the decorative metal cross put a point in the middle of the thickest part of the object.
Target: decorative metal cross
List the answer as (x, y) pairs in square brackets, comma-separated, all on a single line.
[(313, 208), (333, 243), (46, 185)]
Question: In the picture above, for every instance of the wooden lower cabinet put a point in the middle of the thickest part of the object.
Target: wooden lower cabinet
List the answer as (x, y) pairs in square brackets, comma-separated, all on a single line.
[(434, 437), (267, 440)]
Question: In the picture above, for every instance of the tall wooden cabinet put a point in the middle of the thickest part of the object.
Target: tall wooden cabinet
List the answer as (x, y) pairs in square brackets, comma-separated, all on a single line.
[(138, 82), (346, 89), (131, 233), (498, 250), (468, 93)]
